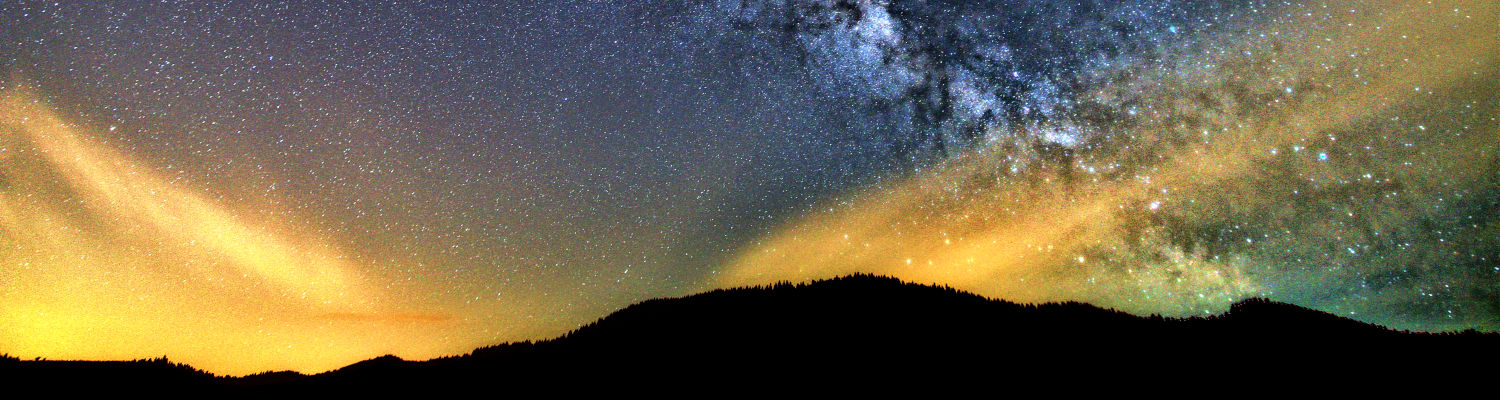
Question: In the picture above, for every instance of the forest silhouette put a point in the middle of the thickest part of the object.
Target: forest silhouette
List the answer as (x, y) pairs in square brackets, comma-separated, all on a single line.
[(861, 330)]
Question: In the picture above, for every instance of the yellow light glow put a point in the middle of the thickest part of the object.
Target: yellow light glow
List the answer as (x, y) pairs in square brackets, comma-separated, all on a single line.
[(102, 258)]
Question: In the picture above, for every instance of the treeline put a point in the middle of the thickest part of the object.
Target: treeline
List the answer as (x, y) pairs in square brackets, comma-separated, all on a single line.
[(859, 329)]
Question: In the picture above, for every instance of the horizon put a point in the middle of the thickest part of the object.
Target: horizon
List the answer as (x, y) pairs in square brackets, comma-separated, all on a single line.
[(828, 289)]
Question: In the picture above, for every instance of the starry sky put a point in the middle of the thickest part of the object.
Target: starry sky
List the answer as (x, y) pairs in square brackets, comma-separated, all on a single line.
[(252, 186)]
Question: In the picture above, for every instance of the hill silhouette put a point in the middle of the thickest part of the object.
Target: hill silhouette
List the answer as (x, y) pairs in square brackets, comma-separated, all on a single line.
[(858, 330)]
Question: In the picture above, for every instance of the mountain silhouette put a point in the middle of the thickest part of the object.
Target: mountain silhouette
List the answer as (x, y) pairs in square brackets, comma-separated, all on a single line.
[(859, 330)]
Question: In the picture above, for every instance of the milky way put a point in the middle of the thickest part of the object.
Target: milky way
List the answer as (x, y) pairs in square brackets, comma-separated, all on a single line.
[(1344, 162), (248, 187)]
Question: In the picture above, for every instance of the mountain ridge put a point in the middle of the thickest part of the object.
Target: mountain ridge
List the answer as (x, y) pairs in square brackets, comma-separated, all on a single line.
[(858, 326)]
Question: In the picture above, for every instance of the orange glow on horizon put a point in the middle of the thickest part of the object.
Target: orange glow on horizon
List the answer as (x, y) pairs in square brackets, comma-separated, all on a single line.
[(105, 259)]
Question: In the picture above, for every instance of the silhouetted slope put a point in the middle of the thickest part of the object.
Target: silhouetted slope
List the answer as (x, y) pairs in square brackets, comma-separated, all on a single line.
[(72, 377), (865, 329), (869, 330)]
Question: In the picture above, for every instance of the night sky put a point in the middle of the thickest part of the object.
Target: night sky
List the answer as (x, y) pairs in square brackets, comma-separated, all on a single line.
[(258, 185)]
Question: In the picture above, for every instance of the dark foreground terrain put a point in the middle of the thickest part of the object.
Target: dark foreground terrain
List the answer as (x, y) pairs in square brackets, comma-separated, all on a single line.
[(859, 331)]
